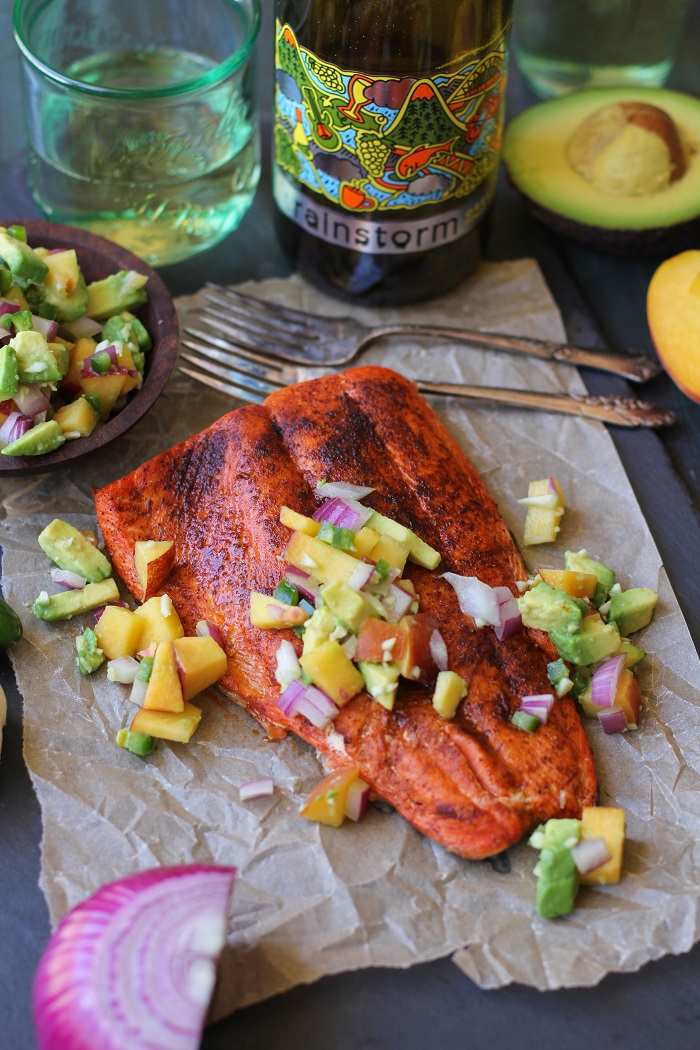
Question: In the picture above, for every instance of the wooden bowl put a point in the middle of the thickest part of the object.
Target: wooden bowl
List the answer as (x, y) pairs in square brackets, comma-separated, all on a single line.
[(98, 258)]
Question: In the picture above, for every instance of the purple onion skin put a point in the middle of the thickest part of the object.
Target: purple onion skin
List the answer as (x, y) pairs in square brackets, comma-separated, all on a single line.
[(71, 1012)]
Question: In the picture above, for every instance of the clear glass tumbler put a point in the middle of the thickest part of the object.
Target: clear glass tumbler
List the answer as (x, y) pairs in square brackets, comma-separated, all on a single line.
[(141, 118), (566, 45)]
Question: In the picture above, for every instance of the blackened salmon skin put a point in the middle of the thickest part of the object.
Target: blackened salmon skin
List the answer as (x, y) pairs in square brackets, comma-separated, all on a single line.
[(475, 783)]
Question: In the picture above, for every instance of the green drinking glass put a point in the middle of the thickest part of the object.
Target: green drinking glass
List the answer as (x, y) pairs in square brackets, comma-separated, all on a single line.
[(141, 118)]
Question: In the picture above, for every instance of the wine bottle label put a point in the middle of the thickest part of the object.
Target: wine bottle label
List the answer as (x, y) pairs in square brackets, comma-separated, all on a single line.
[(379, 153)]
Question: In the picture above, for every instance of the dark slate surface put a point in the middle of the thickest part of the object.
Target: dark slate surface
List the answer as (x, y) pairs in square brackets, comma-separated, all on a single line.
[(433, 1004)]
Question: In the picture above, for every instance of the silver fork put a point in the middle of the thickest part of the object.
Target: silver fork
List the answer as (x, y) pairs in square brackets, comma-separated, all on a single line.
[(231, 318), (252, 375)]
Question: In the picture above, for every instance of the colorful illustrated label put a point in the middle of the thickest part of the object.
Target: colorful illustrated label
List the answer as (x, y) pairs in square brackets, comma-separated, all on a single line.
[(382, 147)]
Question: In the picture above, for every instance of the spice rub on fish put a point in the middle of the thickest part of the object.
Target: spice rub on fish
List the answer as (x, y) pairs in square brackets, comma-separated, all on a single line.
[(475, 783)]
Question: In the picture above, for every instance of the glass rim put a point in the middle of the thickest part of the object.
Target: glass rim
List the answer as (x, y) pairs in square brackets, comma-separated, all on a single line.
[(212, 76)]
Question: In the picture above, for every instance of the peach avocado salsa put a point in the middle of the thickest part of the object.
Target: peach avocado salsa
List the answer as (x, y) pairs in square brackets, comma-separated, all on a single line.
[(70, 352)]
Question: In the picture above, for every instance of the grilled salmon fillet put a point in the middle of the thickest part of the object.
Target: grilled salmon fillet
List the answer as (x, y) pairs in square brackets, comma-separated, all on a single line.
[(476, 783)]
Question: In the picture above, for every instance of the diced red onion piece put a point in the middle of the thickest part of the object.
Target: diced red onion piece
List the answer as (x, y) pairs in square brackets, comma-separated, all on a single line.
[(290, 697), (302, 581), (66, 578), (31, 399), (262, 788), (288, 666), (590, 854), (361, 576), (311, 712), (7, 306), (49, 329), (135, 964), (475, 598), (343, 489), (357, 800), (122, 669), (539, 705), (613, 720), (320, 700), (101, 608), (138, 692), (438, 650), (14, 426), (83, 328), (206, 629), (397, 603), (604, 681), (337, 512)]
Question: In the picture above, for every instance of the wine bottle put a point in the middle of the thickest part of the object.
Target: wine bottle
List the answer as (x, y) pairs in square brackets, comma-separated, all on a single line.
[(387, 133)]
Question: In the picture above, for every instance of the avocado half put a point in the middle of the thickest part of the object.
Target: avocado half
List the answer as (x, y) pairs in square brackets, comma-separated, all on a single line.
[(535, 152)]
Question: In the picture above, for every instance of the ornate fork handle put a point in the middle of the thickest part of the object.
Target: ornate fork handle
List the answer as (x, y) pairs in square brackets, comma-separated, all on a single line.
[(636, 367), (620, 411)]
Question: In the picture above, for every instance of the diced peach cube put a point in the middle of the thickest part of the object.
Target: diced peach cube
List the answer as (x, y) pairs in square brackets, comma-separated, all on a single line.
[(164, 692), (167, 725), (153, 560), (271, 614), (118, 632), (333, 672), (326, 803), (162, 624), (575, 584), (607, 822), (200, 663)]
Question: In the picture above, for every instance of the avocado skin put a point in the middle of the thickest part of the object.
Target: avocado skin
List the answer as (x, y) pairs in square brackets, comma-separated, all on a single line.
[(592, 643), (631, 610), (625, 244), (10, 625)]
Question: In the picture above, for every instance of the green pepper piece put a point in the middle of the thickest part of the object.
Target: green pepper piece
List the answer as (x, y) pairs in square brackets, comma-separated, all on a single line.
[(145, 667), (336, 536), (286, 592), (525, 721), (22, 320), (382, 568), (101, 362), (10, 625), (556, 671)]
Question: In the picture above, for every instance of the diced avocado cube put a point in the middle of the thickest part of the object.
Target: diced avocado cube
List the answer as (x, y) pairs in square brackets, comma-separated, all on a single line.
[(633, 654), (592, 643), (578, 561), (127, 329), (631, 610), (68, 604), (69, 549), (381, 682), (120, 291), (40, 439), (6, 280), (61, 353), (90, 656), (9, 377), (318, 628), (348, 607), (35, 362), (558, 831), (24, 263), (138, 743), (548, 609)]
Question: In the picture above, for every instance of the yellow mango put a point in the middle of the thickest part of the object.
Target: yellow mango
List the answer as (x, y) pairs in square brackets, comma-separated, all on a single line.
[(201, 662), (575, 584), (365, 539), (109, 388), (153, 560), (326, 803), (607, 822), (125, 359), (164, 692), (390, 550), (81, 348), (299, 522), (167, 725), (542, 523), (77, 419), (118, 632), (271, 614), (333, 672), (449, 690), (162, 624), (324, 563)]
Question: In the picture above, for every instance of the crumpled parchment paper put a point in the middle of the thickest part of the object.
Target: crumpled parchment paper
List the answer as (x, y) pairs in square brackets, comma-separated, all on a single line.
[(312, 900)]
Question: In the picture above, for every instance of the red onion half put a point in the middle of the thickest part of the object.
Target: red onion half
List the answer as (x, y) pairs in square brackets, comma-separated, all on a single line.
[(134, 965), (604, 681)]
